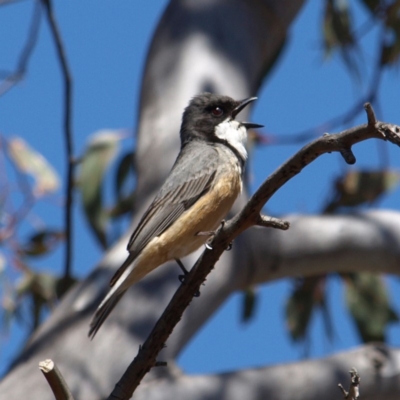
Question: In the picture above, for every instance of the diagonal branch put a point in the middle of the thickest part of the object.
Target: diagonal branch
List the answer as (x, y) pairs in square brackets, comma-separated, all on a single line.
[(67, 134), (249, 216), (326, 144)]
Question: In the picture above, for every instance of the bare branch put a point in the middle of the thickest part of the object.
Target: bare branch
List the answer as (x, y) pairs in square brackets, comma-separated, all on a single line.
[(354, 390), (55, 380), (339, 120), (14, 77), (9, 2), (325, 144), (391, 133), (67, 134), (249, 216)]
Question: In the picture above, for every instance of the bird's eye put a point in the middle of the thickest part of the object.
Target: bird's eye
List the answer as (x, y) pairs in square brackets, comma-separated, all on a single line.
[(217, 111)]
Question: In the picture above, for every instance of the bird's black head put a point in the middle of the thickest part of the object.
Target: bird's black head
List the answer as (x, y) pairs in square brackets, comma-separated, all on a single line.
[(206, 112)]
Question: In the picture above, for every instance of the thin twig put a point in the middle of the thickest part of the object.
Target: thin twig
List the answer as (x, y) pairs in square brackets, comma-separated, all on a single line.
[(14, 77), (249, 216), (348, 115), (16, 216), (9, 2), (67, 134), (339, 120), (354, 390), (55, 380)]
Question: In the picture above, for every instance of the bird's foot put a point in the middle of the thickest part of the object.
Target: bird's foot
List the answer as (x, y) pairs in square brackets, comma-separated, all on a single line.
[(211, 235), (185, 273)]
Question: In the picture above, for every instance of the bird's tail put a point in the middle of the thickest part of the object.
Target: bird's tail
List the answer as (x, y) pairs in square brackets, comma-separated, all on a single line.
[(118, 288), (106, 306)]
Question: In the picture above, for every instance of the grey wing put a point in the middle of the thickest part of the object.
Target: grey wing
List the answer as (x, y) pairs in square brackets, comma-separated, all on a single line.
[(164, 211), (189, 180)]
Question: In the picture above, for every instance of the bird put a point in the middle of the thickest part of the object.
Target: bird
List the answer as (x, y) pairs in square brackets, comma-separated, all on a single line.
[(198, 193)]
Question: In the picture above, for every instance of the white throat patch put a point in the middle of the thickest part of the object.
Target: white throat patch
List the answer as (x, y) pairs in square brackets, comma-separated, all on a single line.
[(235, 134)]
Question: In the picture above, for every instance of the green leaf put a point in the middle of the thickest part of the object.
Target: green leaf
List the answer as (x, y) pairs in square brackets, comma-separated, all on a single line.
[(124, 169), (358, 187), (41, 242), (31, 162), (372, 5), (99, 153), (249, 304), (337, 25), (41, 288), (40, 284), (338, 33), (327, 319), (9, 310), (308, 293), (124, 203), (390, 52), (368, 303)]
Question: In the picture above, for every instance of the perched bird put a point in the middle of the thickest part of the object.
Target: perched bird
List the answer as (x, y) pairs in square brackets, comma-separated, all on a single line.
[(198, 193)]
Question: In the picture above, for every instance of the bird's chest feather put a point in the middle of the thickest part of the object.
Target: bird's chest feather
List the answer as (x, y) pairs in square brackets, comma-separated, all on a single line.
[(205, 215)]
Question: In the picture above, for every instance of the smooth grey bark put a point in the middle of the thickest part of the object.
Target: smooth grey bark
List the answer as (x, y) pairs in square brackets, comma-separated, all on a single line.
[(223, 46), (378, 366)]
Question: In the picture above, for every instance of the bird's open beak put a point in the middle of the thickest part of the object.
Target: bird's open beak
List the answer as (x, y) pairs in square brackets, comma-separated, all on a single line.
[(250, 125), (243, 104)]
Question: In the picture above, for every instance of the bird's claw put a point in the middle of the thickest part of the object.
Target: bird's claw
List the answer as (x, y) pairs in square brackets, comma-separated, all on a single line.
[(182, 279)]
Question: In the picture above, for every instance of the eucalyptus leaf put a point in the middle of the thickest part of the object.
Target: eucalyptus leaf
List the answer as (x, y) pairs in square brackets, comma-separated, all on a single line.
[(41, 242), (31, 162), (308, 293), (368, 302), (249, 304), (359, 187), (100, 152), (338, 27), (372, 5), (125, 167), (124, 205)]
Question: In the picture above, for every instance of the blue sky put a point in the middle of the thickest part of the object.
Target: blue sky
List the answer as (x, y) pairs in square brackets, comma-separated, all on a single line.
[(106, 44)]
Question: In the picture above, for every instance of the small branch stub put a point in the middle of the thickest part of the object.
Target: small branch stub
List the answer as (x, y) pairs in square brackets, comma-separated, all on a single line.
[(354, 391), (370, 114), (161, 364), (55, 380), (271, 222), (348, 156)]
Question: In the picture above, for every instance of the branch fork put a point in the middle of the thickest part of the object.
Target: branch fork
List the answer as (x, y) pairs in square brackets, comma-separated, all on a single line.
[(249, 216)]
